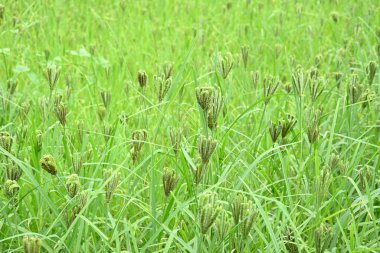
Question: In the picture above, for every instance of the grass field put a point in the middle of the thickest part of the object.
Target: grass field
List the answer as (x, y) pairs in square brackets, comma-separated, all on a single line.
[(190, 126)]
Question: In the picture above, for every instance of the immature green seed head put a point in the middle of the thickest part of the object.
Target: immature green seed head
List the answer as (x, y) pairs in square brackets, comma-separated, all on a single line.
[(275, 130), (313, 133), (318, 60), (324, 181), (338, 78), (11, 188), (176, 139), (83, 198), (365, 176), (223, 224), (354, 91), (24, 110), (279, 49), (287, 87), (142, 77), (106, 98), (73, 185), (167, 70), (334, 160), (127, 86), (206, 147), (13, 172), (313, 73), (38, 140), (52, 74), (244, 55), (169, 180), (77, 160), (12, 86), (58, 98), (214, 110), (316, 88), (102, 111), (287, 125), (343, 167), (314, 117), (299, 81), (209, 210), (31, 244), (111, 178), (21, 133), (354, 79), (123, 118), (290, 242), (255, 78), (139, 137), (80, 130), (61, 113), (323, 237), (248, 218), (367, 97), (108, 131), (226, 63), (199, 171), (237, 207), (47, 163), (163, 85), (371, 71), (12, 191), (270, 86), (6, 141), (204, 96)]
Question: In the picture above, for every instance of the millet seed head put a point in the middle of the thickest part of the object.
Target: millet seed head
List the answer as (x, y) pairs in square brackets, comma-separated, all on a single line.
[(61, 113), (12, 191), (102, 111), (142, 78), (47, 163), (237, 207), (139, 137), (371, 71), (206, 147), (244, 55), (106, 98), (176, 139), (275, 130), (13, 172), (226, 63), (209, 210), (270, 86), (6, 141), (12, 86), (52, 74), (169, 180), (214, 110), (111, 178), (247, 219), (163, 85), (167, 70), (31, 244), (204, 96), (287, 125), (73, 185), (323, 237)]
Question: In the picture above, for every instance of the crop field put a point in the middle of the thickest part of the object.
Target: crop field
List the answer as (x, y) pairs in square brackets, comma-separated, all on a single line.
[(190, 126)]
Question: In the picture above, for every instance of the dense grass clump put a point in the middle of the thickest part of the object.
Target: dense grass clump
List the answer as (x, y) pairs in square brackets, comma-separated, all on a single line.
[(189, 126)]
